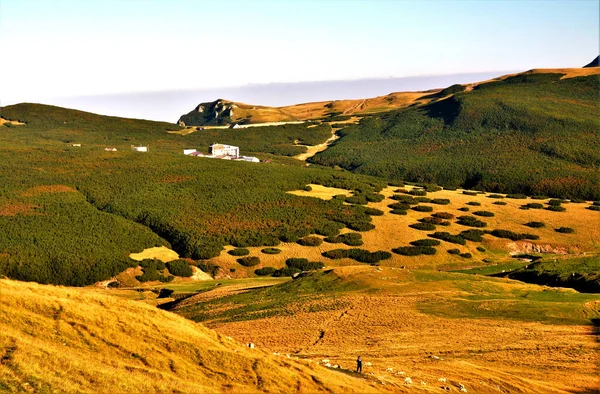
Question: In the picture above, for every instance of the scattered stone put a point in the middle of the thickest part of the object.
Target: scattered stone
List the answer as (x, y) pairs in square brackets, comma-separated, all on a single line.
[(443, 380), (328, 365), (400, 373), (390, 369), (408, 381), (250, 345), (275, 354), (424, 383), (288, 356), (446, 388), (435, 357), (335, 366), (325, 360), (462, 388)]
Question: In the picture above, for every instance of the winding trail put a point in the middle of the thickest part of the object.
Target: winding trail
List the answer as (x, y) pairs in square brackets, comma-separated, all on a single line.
[(314, 149)]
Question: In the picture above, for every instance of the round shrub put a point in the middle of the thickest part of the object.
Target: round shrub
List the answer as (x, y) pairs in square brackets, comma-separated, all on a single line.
[(399, 205), (404, 199), (539, 197), (443, 215), (594, 208), (466, 255), (423, 226), (596, 203), (422, 199), (577, 201), (534, 224), (359, 199), (271, 251), (179, 268), (329, 229), (469, 193), (555, 202), (433, 220), (499, 203), (556, 208), (425, 242), (481, 249), (441, 201), (516, 196), (249, 261), (464, 209), (375, 197), (422, 208), (398, 212), (564, 230), (307, 188), (361, 226), (265, 271), (486, 214), (310, 241), (474, 203), (453, 251), (239, 252), (495, 196)]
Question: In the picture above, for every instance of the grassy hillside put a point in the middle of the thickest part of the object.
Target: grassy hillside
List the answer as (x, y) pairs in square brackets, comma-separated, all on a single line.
[(532, 133), (72, 215), (489, 334), (81, 341)]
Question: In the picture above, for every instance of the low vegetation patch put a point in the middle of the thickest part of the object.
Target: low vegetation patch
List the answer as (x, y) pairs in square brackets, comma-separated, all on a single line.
[(422, 226), (499, 233), (303, 264), (422, 208), (440, 201), (443, 215), (453, 251), (418, 192), (435, 220), (535, 224), (310, 241), (486, 214), (398, 212), (239, 252), (533, 205), (265, 271), (516, 196), (564, 230), (466, 255), (414, 250), (472, 235), (594, 208), (425, 242), (350, 239), (445, 236), (556, 208), (464, 209), (179, 268), (373, 212), (271, 251), (360, 255), (495, 196), (499, 203), (249, 261), (399, 205), (469, 193), (474, 203), (470, 221)]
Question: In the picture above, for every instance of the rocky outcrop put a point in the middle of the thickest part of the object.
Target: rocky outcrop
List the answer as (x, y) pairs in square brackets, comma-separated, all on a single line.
[(217, 113), (594, 63)]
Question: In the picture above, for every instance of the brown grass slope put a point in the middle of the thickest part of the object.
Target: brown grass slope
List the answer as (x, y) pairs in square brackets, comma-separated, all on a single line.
[(58, 339)]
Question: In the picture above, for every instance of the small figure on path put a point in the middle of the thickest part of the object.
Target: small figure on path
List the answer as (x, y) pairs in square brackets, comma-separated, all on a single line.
[(358, 365)]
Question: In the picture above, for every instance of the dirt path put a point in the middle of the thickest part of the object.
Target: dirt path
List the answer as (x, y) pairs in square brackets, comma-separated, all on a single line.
[(313, 150)]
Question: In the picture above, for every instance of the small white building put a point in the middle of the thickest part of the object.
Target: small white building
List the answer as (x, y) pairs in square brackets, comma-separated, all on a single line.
[(251, 159), (110, 149), (235, 126), (140, 148), (188, 151), (224, 150)]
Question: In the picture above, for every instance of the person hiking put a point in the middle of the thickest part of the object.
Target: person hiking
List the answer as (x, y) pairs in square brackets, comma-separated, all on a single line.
[(358, 365)]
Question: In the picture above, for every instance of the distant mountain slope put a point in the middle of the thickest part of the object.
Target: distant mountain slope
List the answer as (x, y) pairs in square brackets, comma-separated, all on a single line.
[(534, 132), (593, 63), (222, 112), (82, 341)]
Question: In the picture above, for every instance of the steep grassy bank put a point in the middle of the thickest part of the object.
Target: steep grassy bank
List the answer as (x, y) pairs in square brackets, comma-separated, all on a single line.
[(529, 133)]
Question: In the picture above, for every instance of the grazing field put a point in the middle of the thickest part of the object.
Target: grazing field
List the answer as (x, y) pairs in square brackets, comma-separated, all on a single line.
[(84, 341), (491, 335), (532, 133)]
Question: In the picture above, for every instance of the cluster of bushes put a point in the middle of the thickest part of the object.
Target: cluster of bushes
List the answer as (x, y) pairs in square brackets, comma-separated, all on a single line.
[(310, 241), (249, 261), (445, 236), (401, 206), (179, 268), (418, 192), (209, 268), (512, 235), (487, 214), (440, 201), (350, 239), (435, 220), (265, 271), (423, 199), (443, 215), (303, 264), (373, 211), (405, 199), (472, 235), (470, 221), (414, 250), (532, 205), (360, 255), (364, 198), (466, 255), (534, 224), (556, 208), (422, 226)]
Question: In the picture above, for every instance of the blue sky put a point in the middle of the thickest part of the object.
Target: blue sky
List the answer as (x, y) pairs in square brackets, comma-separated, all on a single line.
[(59, 48)]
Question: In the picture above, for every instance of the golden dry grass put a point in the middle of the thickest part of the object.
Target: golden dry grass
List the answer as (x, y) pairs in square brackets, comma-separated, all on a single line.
[(12, 122), (18, 209), (37, 190), (385, 321), (82, 341), (320, 191), (161, 253)]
